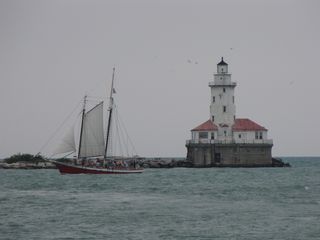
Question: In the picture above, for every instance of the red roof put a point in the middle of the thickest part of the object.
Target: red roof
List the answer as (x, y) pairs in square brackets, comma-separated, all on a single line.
[(245, 124), (240, 124), (206, 126)]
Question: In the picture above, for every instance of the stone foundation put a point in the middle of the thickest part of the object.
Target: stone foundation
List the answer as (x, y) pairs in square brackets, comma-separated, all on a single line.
[(229, 155)]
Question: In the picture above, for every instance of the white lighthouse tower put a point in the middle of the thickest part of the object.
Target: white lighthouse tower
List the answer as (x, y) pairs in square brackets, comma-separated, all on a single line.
[(222, 106)]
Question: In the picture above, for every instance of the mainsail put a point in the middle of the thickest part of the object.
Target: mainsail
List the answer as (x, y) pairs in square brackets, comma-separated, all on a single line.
[(67, 144), (92, 139)]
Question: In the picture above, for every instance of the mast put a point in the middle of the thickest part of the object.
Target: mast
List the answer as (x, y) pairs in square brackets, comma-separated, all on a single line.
[(83, 112), (110, 115)]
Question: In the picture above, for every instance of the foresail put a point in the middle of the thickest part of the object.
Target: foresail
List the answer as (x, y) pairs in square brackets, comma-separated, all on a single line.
[(67, 144), (92, 140)]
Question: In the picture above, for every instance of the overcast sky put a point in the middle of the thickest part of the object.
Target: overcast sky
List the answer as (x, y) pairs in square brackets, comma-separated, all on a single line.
[(165, 53)]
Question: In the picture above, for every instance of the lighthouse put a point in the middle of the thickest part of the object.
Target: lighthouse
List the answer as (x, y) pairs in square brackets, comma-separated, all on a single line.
[(224, 139)]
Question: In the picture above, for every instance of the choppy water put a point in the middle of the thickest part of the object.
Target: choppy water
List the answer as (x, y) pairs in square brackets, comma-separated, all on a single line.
[(262, 203)]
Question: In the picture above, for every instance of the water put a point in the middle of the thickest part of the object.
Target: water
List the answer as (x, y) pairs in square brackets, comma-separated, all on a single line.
[(262, 203)]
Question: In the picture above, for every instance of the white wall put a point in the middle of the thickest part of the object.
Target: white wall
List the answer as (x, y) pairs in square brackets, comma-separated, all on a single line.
[(246, 137), (249, 135), (195, 134), (222, 98)]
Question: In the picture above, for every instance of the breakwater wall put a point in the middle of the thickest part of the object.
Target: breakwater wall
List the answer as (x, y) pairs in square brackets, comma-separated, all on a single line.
[(157, 162)]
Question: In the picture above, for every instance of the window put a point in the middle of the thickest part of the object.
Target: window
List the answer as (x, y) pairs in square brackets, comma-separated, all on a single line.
[(203, 134), (257, 135), (212, 135), (212, 118), (224, 89), (239, 135), (225, 133), (224, 108), (260, 135), (213, 99)]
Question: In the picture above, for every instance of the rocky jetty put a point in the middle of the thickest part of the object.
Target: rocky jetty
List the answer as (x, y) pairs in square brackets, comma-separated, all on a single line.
[(22, 165), (182, 162), (163, 162), (25, 161), (157, 162), (278, 162), (143, 162)]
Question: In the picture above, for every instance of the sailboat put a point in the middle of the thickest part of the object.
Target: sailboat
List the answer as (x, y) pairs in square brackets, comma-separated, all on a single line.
[(92, 151)]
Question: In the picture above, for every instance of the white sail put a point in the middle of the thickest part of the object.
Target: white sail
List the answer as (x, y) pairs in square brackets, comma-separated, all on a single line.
[(67, 144), (92, 139)]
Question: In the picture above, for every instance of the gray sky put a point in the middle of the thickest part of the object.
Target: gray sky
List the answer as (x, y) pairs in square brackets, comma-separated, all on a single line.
[(53, 52)]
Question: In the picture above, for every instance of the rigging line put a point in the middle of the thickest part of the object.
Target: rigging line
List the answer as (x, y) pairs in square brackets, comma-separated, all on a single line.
[(118, 134), (129, 148), (64, 155), (129, 139), (60, 126), (124, 143), (94, 101), (116, 143), (123, 136), (101, 102), (125, 140), (94, 97)]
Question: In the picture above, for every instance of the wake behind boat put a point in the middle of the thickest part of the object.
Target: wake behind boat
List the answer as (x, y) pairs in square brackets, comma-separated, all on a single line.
[(93, 150)]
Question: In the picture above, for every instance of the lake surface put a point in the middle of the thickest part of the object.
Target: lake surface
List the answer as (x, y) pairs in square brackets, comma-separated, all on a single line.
[(179, 203)]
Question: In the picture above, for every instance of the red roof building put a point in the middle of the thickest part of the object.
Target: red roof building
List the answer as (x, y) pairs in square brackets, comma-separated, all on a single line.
[(245, 124), (240, 124), (206, 126)]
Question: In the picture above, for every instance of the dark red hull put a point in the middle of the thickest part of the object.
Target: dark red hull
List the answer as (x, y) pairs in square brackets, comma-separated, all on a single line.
[(74, 169)]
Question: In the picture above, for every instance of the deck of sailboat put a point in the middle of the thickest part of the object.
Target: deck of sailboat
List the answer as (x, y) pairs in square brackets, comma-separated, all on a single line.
[(66, 168)]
